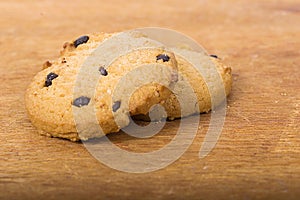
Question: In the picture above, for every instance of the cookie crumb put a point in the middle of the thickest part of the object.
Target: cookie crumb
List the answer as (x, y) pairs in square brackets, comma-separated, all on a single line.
[(103, 71), (66, 44), (67, 47), (283, 94), (116, 106), (163, 57), (81, 101), (47, 64), (49, 79), (81, 40)]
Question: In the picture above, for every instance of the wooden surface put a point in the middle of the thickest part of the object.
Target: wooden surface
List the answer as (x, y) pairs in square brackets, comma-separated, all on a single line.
[(258, 153)]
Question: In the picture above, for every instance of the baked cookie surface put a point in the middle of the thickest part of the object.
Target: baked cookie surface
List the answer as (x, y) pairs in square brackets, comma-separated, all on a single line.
[(51, 100), (196, 91), (200, 86), (75, 95)]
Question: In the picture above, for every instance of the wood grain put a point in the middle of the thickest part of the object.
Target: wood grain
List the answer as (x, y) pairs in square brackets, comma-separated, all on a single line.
[(258, 153)]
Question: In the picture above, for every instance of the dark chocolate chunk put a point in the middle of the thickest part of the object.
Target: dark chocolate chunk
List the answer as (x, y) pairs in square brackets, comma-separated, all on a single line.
[(49, 79), (116, 106), (81, 40), (81, 101), (103, 71), (164, 57), (214, 56), (51, 76), (47, 83)]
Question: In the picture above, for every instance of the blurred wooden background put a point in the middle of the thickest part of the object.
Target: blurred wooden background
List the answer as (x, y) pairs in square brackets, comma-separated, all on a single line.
[(258, 153)]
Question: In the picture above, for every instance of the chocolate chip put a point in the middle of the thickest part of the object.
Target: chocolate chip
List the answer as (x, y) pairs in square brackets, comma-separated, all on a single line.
[(81, 101), (64, 60), (214, 56), (47, 83), (103, 71), (164, 57), (51, 76), (116, 106), (49, 79), (81, 40)]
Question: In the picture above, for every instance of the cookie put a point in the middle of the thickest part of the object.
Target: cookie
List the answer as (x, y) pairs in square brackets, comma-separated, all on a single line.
[(193, 87), (59, 100)]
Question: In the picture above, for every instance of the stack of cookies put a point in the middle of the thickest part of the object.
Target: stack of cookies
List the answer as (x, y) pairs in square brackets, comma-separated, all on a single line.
[(74, 93)]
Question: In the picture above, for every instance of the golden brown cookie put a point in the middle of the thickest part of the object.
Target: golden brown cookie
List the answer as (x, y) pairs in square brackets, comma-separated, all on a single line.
[(193, 87), (51, 100)]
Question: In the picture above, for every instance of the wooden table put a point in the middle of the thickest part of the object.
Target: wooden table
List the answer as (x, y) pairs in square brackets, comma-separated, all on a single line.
[(258, 153)]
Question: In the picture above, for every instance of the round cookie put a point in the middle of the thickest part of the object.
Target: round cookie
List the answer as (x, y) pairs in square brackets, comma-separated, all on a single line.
[(188, 76), (50, 100), (200, 87)]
